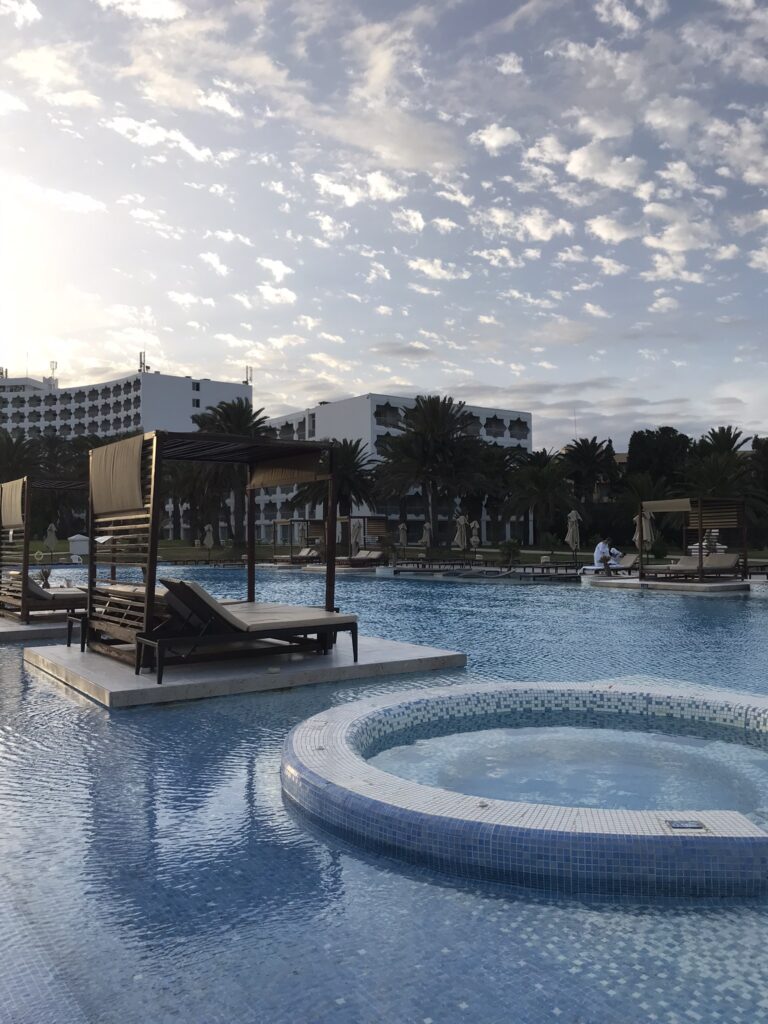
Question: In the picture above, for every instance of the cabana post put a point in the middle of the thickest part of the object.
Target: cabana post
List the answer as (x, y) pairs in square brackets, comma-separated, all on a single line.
[(330, 535)]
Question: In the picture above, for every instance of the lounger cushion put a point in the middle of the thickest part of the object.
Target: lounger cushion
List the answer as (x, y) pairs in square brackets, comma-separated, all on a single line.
[(254, 616)]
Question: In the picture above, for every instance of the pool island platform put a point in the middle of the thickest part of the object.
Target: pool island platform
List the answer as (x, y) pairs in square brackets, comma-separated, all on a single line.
[(114, 684), (717, 587), (42, 628)]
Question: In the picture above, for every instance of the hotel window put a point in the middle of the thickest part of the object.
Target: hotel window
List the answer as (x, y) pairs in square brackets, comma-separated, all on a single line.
[(195, 403), (195, 385)]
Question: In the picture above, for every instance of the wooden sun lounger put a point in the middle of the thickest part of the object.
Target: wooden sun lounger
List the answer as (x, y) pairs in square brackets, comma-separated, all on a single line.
[(199, 627), (688, 566), (66, 600), (367, 557)]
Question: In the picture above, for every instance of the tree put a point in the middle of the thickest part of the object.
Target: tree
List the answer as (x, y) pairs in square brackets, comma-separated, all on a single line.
[(544, 490), (721, 441), (434, 453), (589, 462), (659, 453), (237, 417), (18, 456), (353, 471)]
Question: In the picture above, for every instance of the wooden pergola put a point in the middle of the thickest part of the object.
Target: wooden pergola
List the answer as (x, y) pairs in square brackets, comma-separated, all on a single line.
[(16, 535), (699, 516), (125, 512)]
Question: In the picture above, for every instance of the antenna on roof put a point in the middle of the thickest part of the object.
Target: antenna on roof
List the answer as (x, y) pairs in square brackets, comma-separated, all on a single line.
[(143, 368), (248, 375), (52, 382)]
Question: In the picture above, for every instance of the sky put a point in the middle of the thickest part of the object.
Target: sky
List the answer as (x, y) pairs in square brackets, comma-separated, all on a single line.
[(555, 206)]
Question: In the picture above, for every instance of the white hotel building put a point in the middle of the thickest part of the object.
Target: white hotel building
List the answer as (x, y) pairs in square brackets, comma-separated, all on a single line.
[(141, 401), (371, 418)]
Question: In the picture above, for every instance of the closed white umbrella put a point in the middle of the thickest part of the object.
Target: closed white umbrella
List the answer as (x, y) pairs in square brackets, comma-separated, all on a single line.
[(572, 538), (649, 534)]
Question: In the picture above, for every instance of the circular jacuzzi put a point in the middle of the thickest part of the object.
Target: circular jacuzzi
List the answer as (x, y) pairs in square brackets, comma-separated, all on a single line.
[(327, 774)]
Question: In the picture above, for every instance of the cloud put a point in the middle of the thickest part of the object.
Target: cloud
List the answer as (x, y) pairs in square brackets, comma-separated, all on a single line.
[(608, 229), (594, 162), (149, 134), (614, 13), (69, 202), (437, 270), (380, 186), (188, 299), (484, 318), (10, 104), (23, 12), (276, 296), (445, 225), (53, 72), (664, 304), (535, 224), (499, 257), (494, 138), (527, 299), (671, 267), (509, 64), (758, 259), (276, 268), (571, 254), (146, 10), (681, 232), (410, 221), (594, 310), (212, 260), (610, 267), (229, 236), (220, 102)]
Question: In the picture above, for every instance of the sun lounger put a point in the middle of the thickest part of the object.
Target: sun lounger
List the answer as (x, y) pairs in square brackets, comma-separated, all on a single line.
[(367, 557), (39, 598), (688, 566), (199, 627)]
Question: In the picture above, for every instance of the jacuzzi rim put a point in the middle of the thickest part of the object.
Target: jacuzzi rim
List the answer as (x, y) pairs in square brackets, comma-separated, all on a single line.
[(325, 775)]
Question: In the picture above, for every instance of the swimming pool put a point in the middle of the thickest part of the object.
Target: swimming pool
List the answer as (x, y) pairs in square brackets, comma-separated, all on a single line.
[(150, 872)]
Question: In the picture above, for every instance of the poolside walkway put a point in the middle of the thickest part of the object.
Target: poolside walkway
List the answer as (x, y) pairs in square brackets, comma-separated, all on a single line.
[(115, 685)]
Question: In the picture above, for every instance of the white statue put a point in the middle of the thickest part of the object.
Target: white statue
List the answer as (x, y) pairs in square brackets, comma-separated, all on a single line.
[(301, 534), (50, 537), (356, 536), (425, 541), (572, 538), (402, 532), (475, 538), (208, 538), (460, 538)]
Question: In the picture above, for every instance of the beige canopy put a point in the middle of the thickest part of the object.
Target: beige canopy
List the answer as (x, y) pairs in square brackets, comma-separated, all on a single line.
[(116, 477), (11, 507), (305, 468), (667, 505)]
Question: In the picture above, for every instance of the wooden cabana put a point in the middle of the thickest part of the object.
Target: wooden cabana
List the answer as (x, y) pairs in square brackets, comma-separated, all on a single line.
[(125, 506), (700, 515), (21, 597)]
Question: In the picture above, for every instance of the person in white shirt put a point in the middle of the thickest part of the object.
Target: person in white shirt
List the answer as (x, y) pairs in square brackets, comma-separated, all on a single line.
[(603, 555)]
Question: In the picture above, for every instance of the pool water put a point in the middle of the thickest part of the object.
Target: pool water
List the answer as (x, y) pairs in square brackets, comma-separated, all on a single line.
[(150, 873), (588, 767)]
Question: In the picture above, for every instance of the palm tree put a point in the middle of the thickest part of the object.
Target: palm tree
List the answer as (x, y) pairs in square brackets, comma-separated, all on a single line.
[(721, 441), (544, 490), (434, 453), (589, 463), (240, 418), (18, 456), (352, 469)]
